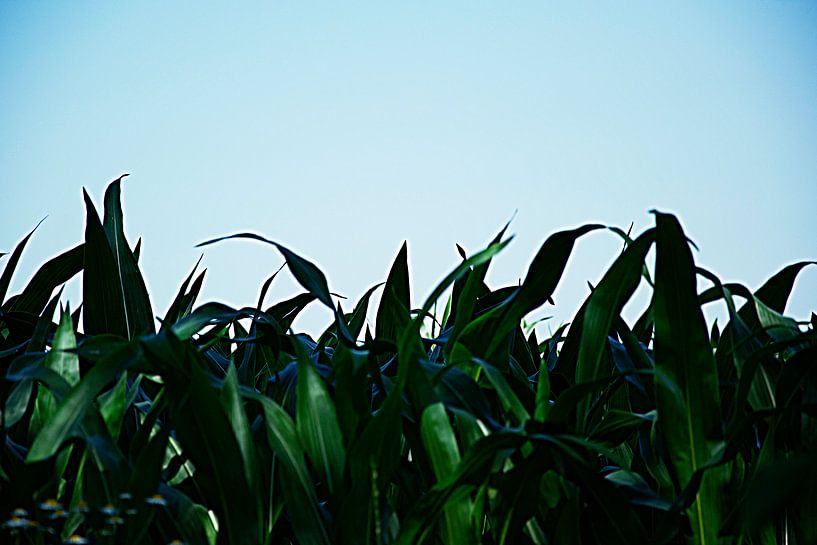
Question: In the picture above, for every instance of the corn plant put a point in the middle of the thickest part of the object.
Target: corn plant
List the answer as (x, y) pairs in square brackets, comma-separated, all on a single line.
[(216, 425)]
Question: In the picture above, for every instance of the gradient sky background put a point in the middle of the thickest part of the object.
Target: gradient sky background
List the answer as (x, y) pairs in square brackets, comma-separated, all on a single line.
[(341, 129)]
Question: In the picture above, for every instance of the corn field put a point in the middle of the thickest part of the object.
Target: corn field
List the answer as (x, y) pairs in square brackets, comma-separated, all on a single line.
[(445, 424)]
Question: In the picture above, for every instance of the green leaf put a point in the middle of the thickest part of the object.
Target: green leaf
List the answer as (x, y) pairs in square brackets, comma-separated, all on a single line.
[(48, 277), (737, 343), (546, 269), (137, 310), (11, 264), (775, 292), (602, 309), (305, 272), (30, 366), (43, 326), (104, 308), (177, 308), (191, 519), (234, 407), (63, 359), (358, 315), (378, 447), (540, 282), (476, 463), (299, 493), (510, 402), (137, 250), (16, 403), (638, 488), (285, 312), (616, 426), (206, 435), (475, 260), (206, 314), (73, 408), (687, 395), (393, 312), (317, 423), (443, 452), (112, 406), (779, 327), (466, 299)]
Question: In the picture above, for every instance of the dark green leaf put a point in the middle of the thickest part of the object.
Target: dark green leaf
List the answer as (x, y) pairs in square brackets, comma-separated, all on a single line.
[(687, 394), (48, 277), (602, 309), (393, 312), (103, 302), (137, 310), (443, 452), (11, 264), (299, 493), (317, 423), (79, 400)]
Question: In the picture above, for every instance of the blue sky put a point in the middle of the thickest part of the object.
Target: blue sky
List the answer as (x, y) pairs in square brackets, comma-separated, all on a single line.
[(341, 129)]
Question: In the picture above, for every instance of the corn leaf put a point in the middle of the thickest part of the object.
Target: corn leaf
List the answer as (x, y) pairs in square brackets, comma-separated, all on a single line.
[(687, 395)]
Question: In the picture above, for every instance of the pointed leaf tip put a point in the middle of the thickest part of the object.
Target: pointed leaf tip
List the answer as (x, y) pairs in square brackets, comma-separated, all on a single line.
[(461, 251)]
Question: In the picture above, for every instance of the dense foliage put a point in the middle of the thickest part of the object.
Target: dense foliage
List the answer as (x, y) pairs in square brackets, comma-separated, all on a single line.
[(220, 425)]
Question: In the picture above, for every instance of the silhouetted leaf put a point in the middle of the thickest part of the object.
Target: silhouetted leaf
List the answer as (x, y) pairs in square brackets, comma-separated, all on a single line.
[(137, 310), (11, 264), (393, 312), (48, 277)]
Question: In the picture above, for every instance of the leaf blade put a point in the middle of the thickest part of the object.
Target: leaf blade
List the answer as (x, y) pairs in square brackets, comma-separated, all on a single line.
[(687, 397)]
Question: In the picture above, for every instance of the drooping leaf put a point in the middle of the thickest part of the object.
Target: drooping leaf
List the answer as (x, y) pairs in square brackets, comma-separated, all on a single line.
[(543, 276), (775, 292), (305, 272)]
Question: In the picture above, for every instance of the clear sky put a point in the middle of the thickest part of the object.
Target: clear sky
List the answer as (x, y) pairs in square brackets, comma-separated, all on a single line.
[(343, 128)]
